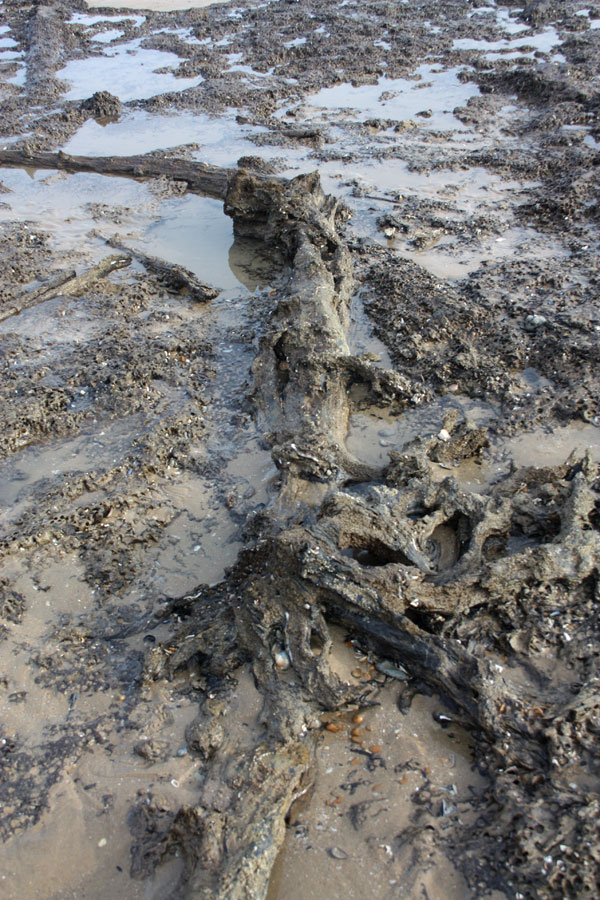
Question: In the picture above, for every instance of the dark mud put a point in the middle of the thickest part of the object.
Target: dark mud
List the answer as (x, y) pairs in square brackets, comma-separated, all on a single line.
[(300, 527)]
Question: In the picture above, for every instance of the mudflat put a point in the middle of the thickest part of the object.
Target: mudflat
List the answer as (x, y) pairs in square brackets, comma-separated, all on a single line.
[(300, 447)]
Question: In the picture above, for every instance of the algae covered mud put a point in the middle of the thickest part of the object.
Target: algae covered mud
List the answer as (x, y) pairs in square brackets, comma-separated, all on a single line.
[(300, 439)]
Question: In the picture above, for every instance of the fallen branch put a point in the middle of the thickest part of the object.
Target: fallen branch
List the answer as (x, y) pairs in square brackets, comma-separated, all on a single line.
[(171, 274), (200, 177), (38, 295), (67, 284)]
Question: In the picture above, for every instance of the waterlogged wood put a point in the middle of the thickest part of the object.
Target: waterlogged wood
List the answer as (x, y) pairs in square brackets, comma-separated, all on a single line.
[(298, 577), (46, 37), (199, 177), (172, 274), (67, 284), (345, 544), (38, 295), (101, 270)]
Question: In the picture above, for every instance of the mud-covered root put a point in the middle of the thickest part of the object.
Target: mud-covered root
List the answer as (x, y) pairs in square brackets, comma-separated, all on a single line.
[(281, 212), (207, 638), (461, 592), (229, 846), (266, 786)]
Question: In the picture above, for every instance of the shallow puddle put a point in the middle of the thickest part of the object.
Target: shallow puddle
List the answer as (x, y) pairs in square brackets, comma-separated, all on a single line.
[(44, 325), (222, 141), (374, 432), (474, 186), (69, 207), (539, 448), (552, 448), (193, 231), (453, 261), (433, 91), (129, 71), (545, 41), (88, 20), (361, 340)]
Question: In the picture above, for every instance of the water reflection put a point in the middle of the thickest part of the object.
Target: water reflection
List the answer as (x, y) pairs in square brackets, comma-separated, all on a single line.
[(253, 263)]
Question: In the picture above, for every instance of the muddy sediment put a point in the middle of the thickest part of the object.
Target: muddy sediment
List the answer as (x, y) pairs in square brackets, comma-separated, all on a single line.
[(300, 485)]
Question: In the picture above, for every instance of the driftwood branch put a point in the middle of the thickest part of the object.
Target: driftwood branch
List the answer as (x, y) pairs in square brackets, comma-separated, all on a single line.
[(171, 274), (31, 298), (67, 284), (200, 177)]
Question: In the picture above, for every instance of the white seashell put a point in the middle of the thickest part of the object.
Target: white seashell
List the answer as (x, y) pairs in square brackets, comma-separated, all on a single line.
[(444, 435), (282, 660)]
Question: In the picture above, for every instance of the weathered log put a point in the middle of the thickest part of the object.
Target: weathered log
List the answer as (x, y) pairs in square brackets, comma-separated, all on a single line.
[(238, 865), (199, 177), (14, 305), (45, 41)]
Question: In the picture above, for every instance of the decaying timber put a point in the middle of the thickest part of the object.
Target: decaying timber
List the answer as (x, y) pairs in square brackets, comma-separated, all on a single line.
[(67, 285), (209, 180), (174, 276), (420, 572)]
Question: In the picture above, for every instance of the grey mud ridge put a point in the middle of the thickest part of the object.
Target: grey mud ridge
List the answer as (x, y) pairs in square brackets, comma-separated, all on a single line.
[(488, 599)]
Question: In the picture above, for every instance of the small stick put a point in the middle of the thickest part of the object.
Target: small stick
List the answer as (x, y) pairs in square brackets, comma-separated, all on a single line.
[(172, 274), (67, 284)]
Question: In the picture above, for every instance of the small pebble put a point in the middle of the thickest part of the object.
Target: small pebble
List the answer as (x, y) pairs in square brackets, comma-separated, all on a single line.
[(533, 322)]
